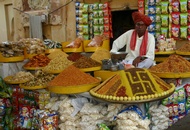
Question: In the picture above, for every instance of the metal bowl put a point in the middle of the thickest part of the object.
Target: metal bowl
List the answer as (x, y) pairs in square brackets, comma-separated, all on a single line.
[(118, 55)]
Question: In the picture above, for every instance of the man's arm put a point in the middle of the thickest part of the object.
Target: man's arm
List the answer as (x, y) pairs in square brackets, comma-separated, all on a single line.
[(120, 42)]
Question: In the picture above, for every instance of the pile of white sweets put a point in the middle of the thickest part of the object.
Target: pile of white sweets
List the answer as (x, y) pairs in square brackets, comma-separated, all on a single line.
[(159, 117), (80, 114)]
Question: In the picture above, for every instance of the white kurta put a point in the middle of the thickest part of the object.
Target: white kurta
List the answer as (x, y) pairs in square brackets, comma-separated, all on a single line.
[(125, 39)]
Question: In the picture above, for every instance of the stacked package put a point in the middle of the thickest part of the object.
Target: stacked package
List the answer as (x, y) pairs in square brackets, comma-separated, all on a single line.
[(170, 18), (93, 19), (25, 105), (176, 105), (152, 9)]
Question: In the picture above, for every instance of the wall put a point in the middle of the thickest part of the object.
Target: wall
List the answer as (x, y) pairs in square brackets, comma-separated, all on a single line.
[(6, 23)]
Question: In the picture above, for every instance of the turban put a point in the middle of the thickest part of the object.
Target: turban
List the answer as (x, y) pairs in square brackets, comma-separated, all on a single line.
[(137, 17)]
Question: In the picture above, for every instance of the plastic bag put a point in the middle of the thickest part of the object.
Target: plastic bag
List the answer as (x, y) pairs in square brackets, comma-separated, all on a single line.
[(78, 103)]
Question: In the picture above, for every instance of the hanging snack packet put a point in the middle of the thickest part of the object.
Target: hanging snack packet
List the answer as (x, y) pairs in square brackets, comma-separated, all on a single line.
[(100, 13), (85, 29), (183, 6), (90, 8), (152, 27), (158, 18), (164, 19), (175, 29), (85, 18), (151, 9), (152, 17), (85, 8), (164, 7), (101, 21), (158, 27), (175, 17), (157, 2), (175, 6), (96, 6), (100, 6), (95, 13), (183, 19), (164, 31), (183, 32), (158, 9)]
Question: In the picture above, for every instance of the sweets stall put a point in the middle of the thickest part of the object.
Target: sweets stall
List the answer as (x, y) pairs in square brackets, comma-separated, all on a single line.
[(70, 104)]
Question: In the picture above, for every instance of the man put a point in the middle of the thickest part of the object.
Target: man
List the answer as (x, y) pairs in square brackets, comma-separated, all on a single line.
[(140, 45)]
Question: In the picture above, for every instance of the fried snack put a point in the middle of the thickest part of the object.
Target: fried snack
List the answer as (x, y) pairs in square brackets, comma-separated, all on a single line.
[(184, 48), (100, 55), (74, 56), (86, 62), (57, 53), (40, 79), (59, 63), (173, 64), (38, 61)]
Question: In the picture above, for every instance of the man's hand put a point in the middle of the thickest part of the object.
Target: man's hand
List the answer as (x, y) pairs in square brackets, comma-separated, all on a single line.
[(136, 61)]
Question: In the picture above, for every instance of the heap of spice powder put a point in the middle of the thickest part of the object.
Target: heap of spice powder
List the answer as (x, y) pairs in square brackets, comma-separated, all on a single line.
[(72, 76), (86, 62), (101, 54), (74, 56)]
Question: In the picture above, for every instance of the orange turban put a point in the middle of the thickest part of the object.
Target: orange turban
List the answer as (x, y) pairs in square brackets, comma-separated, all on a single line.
[(137, 17)]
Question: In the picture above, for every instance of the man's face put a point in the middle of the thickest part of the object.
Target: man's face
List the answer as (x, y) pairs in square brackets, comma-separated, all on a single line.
[(140, 27)]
